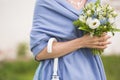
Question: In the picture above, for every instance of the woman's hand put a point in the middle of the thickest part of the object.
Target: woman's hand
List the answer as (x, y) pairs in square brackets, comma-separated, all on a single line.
[(95, 42)]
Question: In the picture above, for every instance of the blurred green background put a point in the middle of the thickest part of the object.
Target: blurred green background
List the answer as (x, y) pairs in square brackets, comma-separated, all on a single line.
[(25, 69)]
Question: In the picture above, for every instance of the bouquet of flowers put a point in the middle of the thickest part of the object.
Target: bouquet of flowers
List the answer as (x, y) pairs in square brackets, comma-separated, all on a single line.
[(97, 19)]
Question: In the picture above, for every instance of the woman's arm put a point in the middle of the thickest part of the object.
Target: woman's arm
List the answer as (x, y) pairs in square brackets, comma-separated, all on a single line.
[(62, 48)]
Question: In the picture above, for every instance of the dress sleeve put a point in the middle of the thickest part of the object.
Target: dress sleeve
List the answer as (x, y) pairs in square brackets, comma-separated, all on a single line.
[(38, 34), (48, 21)]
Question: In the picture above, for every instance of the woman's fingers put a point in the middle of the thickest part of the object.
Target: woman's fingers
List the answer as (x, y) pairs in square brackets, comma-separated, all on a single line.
[(96, 42), (102, 43), (104, 38)]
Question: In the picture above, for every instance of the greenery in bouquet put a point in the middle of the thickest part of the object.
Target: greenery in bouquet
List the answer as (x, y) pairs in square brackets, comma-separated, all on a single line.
[(97, 19)]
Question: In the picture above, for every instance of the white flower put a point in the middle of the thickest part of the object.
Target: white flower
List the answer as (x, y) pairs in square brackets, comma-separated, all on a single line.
[(88, 12), (105, 26), (111, 20), (99, 9), (104, 8), (90, 5), (93, 23), (82, 18), (101, 17), (114, 13), (104, 13), (93, 8), (110, 16), (89, 19), (110, 8)]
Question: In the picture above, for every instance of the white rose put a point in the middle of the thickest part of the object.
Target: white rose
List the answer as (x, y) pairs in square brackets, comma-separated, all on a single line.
[(93, 23)]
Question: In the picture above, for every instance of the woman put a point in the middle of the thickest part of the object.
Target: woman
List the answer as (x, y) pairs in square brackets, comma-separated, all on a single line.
[(53, 18)]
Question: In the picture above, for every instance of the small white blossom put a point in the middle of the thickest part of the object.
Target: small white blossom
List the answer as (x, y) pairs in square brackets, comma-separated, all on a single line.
[(114, 13), (88, 20), (110, 8), (90, 5), (105, 26), (110, 16), (82, 18), (111, 20), (93, 23), (101, 17), (99, 9), (104, 13), (88, 12), (93, 8), (104, 7)]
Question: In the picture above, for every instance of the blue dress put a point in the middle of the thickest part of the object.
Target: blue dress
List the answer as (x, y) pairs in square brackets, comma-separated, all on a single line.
[(53, 18)]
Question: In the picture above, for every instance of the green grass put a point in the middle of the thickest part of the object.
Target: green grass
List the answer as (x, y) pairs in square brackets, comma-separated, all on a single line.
[(112, 67), (18, 70), (24, 70)]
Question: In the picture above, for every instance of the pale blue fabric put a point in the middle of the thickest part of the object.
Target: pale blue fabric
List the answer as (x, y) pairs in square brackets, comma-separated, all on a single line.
[(53, 18)]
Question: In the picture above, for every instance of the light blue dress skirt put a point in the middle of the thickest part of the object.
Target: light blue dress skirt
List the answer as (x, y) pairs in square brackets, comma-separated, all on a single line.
[(53, 18)]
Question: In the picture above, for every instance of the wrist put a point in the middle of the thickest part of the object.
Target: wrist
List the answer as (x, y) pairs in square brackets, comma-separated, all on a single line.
[(80, 43)]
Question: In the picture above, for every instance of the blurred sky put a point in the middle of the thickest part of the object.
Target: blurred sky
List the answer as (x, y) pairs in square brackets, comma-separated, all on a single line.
[(16, 22)]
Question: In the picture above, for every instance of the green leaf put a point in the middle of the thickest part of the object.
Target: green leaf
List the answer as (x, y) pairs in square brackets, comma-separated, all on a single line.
[(84, 29), (76, 22), (97, 2), (113, 33), (116, 30)]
